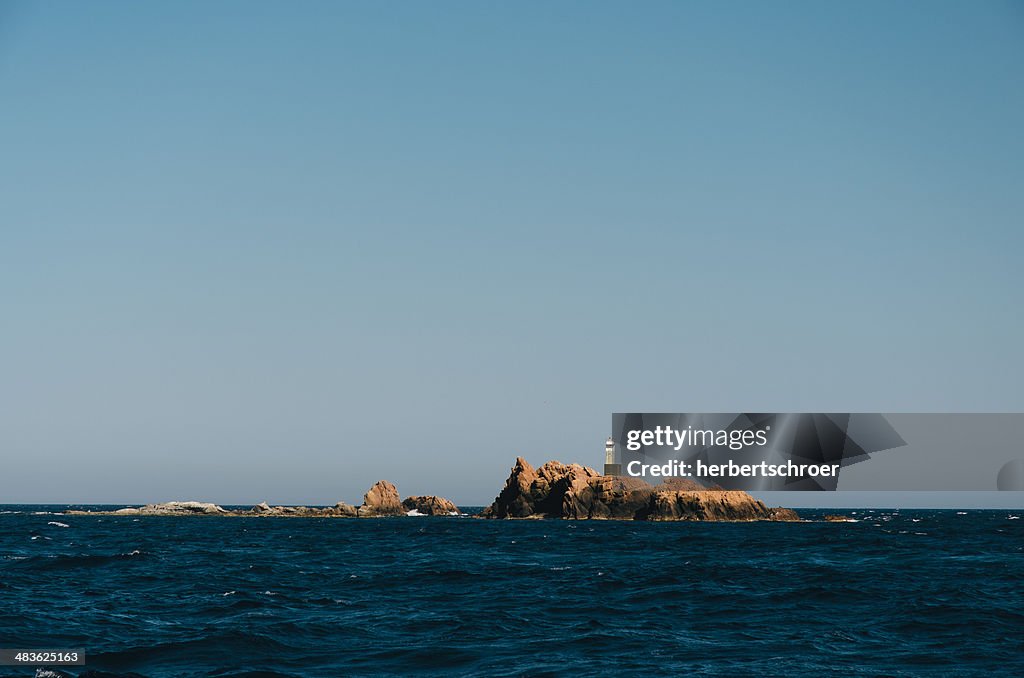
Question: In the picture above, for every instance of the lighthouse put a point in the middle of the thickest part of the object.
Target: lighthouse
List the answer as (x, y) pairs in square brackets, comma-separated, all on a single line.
[(610, 467)]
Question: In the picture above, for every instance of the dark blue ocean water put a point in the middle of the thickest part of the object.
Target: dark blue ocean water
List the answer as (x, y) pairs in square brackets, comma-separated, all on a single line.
[(907, 593)]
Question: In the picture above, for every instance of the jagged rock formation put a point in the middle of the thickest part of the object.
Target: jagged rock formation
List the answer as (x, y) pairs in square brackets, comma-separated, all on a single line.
[(430, 506), (557, 490), (381, 500)]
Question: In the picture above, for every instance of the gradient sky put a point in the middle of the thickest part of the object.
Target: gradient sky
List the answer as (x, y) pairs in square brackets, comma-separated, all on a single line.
[(277, 251)]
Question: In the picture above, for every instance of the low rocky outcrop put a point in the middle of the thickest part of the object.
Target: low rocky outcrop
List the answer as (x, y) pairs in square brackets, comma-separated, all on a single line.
[(380, 500), (713, 505), (785, 515), (175, 508), (571, 491), (346, 510), (429, 506), (339, 510)]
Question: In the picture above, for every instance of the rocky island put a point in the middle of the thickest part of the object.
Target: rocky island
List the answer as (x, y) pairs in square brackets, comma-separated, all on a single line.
[(381, 500), (576, 492), (553, 490)]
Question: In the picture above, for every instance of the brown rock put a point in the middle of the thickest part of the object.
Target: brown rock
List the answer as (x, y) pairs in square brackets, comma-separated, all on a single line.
[(515, 499), (708, 505), (784, 515), (608, 498), (430, 506), (684, 484), (557, 490), (346, 510), (381, 500)]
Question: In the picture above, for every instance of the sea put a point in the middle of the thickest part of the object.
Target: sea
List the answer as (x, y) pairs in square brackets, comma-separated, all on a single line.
[(896, 593)]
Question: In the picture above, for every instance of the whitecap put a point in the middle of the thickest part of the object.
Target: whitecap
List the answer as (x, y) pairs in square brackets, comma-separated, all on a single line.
[(961, 513), (1013, 517), (54, 522), (229, 593)]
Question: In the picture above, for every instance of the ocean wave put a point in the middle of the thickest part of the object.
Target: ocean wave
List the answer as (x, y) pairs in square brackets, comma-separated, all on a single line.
[(62, 561), (212, 647)]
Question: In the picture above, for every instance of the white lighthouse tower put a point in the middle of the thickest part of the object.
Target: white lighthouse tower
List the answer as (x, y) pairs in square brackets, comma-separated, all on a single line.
[(610, 467)]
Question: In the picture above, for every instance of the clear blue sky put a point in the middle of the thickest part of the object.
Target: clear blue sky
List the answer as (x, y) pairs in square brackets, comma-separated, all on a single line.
[(278, 251)]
